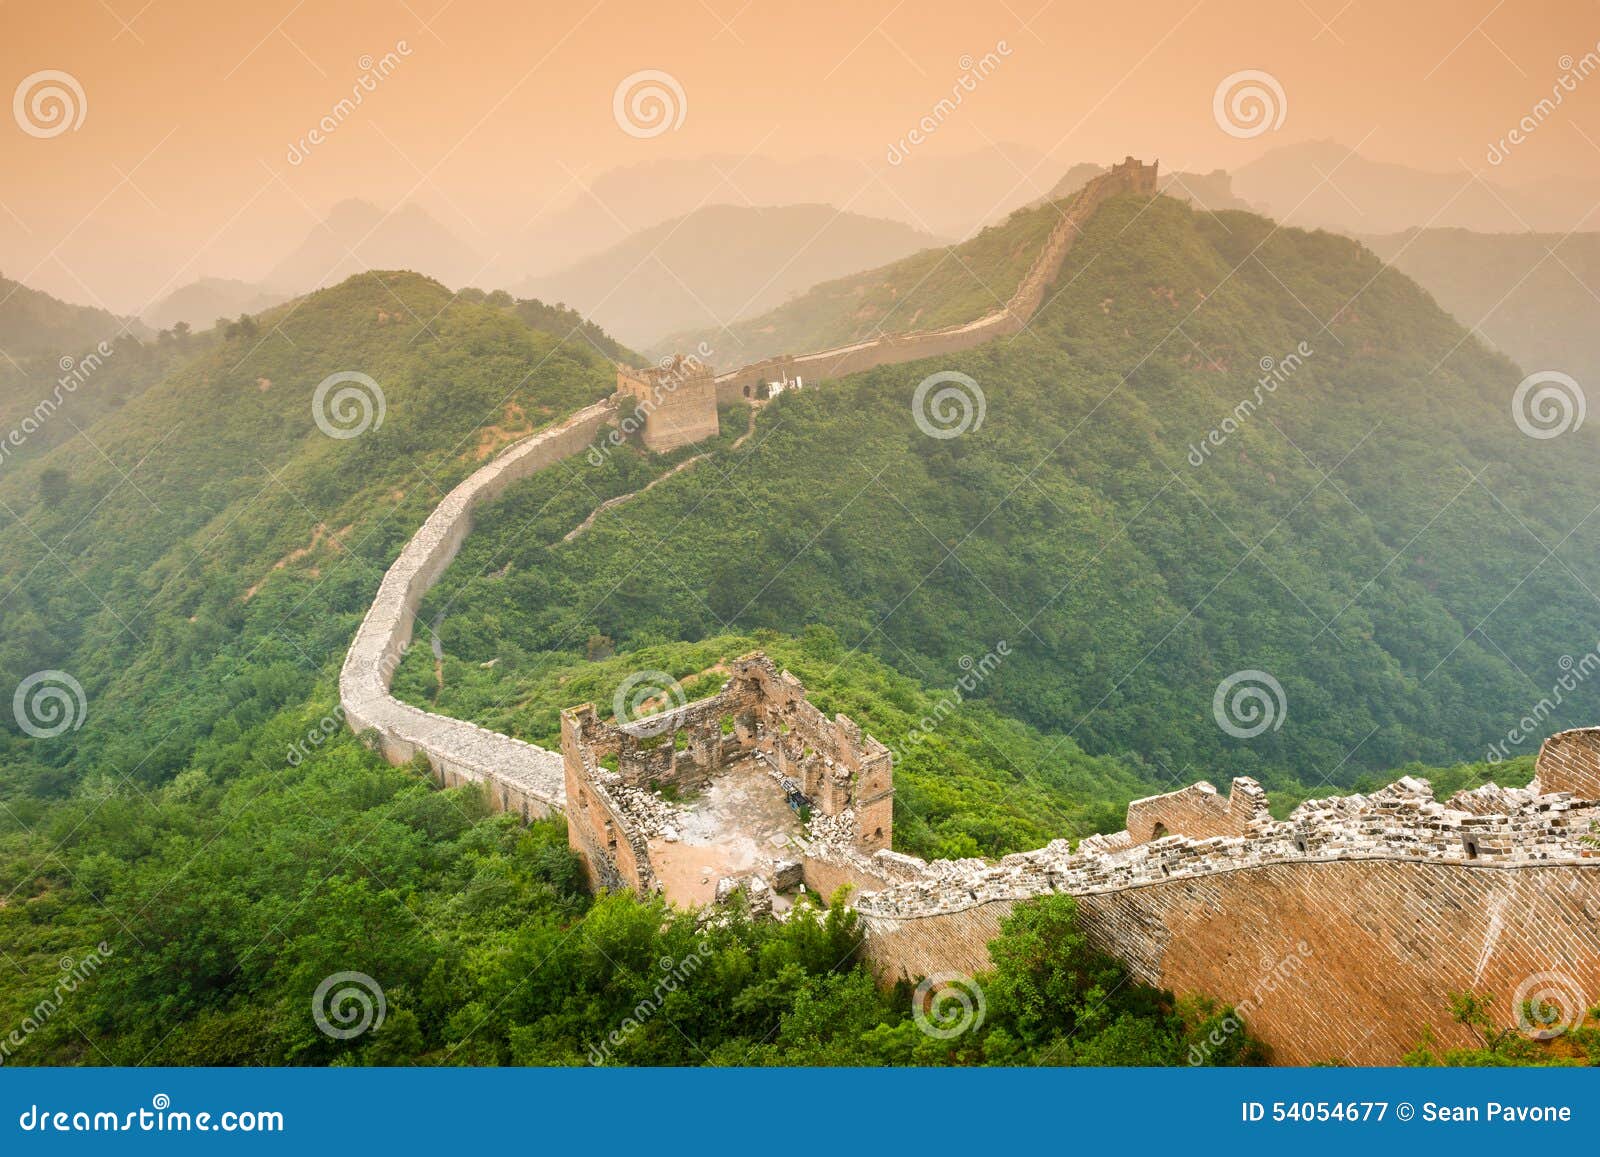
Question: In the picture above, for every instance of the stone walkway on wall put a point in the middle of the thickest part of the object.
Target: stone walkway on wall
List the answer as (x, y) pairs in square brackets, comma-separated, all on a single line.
[(522, 777)]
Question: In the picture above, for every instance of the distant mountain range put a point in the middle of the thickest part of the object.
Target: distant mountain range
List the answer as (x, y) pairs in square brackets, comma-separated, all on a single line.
[(1324, 184), (202, 302), (721, 263), (951, 196), (643, 252), (356, 236)]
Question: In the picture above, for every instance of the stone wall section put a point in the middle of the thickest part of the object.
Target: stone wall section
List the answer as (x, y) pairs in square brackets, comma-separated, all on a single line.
[(1328, 960), (518, 777), (677, 400), (1342, 931)]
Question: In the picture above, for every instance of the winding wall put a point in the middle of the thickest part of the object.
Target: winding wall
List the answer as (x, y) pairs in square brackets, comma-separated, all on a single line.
[(1130, 176), (529, 779), (522, 777), (1339, 933)]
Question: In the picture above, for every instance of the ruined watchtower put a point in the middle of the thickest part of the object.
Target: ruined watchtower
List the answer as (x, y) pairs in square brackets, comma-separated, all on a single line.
[(752, 782), (677, 401)]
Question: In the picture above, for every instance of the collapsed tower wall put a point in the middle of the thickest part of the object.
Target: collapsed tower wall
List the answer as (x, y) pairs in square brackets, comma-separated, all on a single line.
[(617, 772)]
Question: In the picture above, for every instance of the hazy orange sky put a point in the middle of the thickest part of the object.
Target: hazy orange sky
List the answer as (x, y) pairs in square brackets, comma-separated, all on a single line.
[(501, 109)]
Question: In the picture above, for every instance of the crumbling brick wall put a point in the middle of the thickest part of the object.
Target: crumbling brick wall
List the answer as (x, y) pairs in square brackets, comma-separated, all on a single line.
[(1332, 960), (845, 774), (1570, 761), (1199, 812), (1375, 907)]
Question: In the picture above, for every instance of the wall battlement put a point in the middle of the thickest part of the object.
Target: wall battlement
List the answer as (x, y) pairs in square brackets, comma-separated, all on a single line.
[(677, 401)]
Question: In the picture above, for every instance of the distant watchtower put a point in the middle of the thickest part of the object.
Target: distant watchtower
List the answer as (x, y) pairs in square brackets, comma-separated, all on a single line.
[(1134, 176), (677, 401)]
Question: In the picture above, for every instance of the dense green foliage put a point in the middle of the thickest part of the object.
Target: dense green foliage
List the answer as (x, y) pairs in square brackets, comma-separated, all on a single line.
[(199, 559), (1539, 1034), (937, 287), (33, 323), (192, 924), (1378, 535), (212, 551)]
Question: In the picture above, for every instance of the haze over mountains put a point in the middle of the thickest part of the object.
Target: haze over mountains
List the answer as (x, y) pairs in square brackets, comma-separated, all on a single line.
[(1324, 184), (1535, 296), (721, 262), (666, 248), (201, 557)]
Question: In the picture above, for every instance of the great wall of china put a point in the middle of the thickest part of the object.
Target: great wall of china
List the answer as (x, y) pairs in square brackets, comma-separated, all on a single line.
[(1339, 931), (528, 779)]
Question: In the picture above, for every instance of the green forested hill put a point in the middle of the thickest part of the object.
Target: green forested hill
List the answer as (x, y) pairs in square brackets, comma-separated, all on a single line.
[(210, 547), (32, 323), (198, 559), (1377, 535)]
